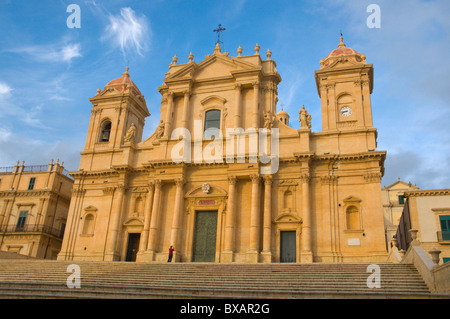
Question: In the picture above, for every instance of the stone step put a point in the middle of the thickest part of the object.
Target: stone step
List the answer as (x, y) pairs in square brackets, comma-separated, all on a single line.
[(47, 279), (195, 277), (105, 291), (162, 282)]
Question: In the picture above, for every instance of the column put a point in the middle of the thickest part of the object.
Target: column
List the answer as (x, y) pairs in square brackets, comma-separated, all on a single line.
[(168, 125), (227, 255), (185, 120), (153, 235), (237, 115), (147, 215), (267, 232), (115, 223), (255, 113), (3, 219), (177, 216), (39, 212), (332, 105), (252, 253), (306, 256)]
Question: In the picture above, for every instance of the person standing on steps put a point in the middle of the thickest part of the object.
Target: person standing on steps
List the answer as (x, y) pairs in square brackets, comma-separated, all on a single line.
[(171, 250)]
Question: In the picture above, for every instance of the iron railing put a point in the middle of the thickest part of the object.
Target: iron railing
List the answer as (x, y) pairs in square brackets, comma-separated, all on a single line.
[(59, 233), (8, 169), (35, 168)]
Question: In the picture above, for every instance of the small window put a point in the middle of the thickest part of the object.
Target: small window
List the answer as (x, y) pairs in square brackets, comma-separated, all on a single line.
[(401, 199), (445, 226), (21, 220), (445, 260), (212, 119), (31, 183), (106, 131), (212, 123)]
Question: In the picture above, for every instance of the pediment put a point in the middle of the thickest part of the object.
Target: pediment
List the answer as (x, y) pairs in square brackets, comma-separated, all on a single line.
[(213, 191), (400, 185), (288, 217), (213, 99), (134, 221), (351, 199), (214, 66), (342, 62), (91, 208), (186, 72)]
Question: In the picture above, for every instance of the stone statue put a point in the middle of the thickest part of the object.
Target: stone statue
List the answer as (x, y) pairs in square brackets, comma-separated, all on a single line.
[(304, 118), (131, 133), (268, 120), (160, 129)]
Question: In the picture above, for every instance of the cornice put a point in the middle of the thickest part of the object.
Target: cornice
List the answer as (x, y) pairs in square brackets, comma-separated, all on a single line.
[(39, 193), (427, 192)]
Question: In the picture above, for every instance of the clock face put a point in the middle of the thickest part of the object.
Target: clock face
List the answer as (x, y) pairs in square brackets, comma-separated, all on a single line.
[(346, 111)]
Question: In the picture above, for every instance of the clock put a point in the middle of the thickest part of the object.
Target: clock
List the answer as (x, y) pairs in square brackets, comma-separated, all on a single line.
[(346, 111)]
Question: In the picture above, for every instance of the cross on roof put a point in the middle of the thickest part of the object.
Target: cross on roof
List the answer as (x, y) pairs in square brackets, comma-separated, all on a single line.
[(219, 31)]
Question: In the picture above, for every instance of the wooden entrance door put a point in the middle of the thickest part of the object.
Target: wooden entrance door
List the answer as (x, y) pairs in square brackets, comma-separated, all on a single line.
[(133, 246), (205, 233), (288, 247)]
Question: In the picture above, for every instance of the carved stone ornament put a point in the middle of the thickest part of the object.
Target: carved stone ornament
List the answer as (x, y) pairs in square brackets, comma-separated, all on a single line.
[(160, 129), (269, 118), (205, 188), (131, 133), (304, 118)]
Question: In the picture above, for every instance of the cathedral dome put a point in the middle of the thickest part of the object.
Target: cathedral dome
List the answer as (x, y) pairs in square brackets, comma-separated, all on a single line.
[(123, 83), (342, 51), (283, 117)]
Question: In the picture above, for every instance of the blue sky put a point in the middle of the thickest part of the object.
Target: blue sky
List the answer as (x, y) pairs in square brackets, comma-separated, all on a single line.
[(48, 71)]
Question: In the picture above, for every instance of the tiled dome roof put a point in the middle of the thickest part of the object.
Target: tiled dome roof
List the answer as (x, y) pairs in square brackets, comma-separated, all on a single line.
[(123, 83)]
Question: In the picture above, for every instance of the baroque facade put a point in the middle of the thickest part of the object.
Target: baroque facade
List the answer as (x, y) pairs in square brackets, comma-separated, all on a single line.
[(34, 203), (224, 178)]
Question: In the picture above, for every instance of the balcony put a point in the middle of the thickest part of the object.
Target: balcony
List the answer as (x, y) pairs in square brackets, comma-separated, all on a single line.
[(58, 233), (443, 236)]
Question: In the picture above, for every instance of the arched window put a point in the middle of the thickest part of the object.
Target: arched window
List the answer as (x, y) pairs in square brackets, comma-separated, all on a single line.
[(88, 227), (212, 124), (106, 131), (212, 119), (352, 218)]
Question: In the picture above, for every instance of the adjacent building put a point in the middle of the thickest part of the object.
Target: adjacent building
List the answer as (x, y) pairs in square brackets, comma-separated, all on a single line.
[(224, 178), (393, 198), (34, 203), (427, 213)]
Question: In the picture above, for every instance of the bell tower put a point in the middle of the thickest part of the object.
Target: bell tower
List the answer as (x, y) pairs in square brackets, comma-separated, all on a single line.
[(117, 121), (344, 83)]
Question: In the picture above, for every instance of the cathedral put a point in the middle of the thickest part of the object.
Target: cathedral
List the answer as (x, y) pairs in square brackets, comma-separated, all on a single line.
[(224, 178)]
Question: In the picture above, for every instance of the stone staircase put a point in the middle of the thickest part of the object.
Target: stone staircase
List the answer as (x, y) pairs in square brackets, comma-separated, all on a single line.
[(27, 278)]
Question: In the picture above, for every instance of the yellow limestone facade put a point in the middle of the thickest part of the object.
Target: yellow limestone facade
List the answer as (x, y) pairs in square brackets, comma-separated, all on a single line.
[(393, 199), (34, 203), (224, 178)]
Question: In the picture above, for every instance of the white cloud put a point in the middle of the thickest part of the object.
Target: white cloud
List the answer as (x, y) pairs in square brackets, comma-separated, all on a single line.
[(33, 151), (70, 51), (51, 53), (5, 89), (128, 31)]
